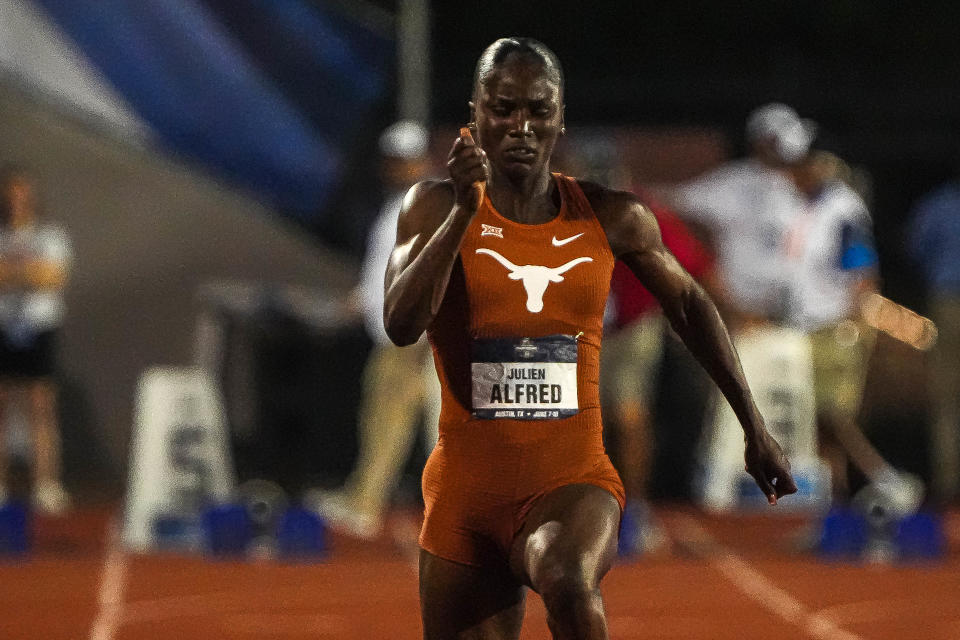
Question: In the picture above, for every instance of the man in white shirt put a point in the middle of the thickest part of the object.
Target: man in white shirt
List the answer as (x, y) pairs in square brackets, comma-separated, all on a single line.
[(747, 206), (400, 386), (34, 263)]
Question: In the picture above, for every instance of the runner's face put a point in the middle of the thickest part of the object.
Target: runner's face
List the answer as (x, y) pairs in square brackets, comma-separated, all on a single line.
[(518, 114)]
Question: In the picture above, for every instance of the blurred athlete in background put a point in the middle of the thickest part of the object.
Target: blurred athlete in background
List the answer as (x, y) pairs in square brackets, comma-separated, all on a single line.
[(507, 268)]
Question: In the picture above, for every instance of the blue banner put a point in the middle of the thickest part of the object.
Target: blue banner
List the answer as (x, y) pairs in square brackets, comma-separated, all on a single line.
[(269, 95)]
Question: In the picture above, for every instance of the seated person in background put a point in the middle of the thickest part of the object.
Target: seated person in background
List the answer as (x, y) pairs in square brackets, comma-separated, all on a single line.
[(34, 263), (744, 208)]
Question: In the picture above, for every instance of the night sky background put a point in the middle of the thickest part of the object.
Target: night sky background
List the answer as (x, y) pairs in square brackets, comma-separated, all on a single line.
[(882, 79)]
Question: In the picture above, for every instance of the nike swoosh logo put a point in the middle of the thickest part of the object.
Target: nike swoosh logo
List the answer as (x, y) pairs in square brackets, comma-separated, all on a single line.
[(560, 243)]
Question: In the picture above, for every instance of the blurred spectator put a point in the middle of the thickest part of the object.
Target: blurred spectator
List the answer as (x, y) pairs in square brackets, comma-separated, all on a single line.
[(934, 242), (34, 264), (747, 206), (834, 266), (399, 384), (830, 246), (834, 263)]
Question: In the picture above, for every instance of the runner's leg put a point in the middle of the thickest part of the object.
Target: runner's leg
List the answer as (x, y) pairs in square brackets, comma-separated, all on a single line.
[(566, 546), (461, 602)]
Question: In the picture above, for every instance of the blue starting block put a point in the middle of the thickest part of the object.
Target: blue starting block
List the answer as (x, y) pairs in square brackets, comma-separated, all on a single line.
[(14, 529), (301, 535), (226, 530), (920, 537), (175, 532), (844, 534)]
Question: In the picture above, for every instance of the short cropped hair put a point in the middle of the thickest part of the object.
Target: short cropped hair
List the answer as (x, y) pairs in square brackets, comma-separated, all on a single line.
[(494, 56)]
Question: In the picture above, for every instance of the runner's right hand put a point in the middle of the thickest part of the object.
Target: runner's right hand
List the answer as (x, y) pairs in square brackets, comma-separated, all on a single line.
[(468, 166)]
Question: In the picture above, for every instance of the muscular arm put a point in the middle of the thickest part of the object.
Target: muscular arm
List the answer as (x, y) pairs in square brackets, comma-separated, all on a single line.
[(433, 219), (634, 238), (429, 234)]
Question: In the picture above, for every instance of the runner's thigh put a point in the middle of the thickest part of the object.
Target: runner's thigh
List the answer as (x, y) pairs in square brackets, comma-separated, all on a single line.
[(461, 602), (571, 529)]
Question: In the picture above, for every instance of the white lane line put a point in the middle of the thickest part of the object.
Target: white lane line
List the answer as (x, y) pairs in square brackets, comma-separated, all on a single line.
[(753, 584), (874, 611), (113, 580)]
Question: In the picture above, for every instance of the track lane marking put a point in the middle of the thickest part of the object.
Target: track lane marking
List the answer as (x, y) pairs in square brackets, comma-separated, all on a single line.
[(113, 581), (753, 584), (873, 611)]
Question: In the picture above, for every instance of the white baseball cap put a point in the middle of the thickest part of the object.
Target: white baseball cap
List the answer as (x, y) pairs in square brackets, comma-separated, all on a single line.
[(791, 134), (404, 139)]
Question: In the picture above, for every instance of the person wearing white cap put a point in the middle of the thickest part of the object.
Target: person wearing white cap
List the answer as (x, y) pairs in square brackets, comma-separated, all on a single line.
[(399, 385), (779, 135), (748, 205)]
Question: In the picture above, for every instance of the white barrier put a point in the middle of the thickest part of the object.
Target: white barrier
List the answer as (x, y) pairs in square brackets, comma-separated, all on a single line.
[(179, 456), (778, 365)]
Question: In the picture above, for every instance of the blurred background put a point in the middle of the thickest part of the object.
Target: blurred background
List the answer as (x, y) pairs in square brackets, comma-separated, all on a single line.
[(218, 170)]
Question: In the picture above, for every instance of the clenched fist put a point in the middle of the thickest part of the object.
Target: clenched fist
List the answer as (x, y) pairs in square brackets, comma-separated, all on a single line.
[(469, 170)]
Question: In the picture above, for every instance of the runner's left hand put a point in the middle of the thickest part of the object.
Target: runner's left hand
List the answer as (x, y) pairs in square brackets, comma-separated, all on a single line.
[(768, 465)]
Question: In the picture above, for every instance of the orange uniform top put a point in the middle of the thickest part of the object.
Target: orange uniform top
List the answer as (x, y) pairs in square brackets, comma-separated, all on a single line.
[(519, 280), (524, 302)]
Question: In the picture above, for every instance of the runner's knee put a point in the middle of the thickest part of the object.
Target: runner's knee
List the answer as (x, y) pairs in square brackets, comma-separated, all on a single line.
[(564, 586)]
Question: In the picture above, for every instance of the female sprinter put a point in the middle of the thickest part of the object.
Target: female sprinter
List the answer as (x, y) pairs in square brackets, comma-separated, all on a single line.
[(506, 267)]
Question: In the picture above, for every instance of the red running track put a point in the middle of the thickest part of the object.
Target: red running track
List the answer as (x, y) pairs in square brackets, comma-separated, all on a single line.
[(726, 578)]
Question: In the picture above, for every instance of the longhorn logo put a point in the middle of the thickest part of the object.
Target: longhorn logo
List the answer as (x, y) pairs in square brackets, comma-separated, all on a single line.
[(534, 277)]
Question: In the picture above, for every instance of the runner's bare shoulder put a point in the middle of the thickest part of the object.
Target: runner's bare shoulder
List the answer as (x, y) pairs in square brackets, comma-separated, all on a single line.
[(425, 207), (627, 221)]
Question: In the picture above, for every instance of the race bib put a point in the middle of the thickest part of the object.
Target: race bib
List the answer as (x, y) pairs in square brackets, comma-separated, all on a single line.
[(525, 378)]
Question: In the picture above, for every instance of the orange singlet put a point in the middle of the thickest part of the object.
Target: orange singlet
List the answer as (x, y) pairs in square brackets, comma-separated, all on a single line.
[(512, 285)]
